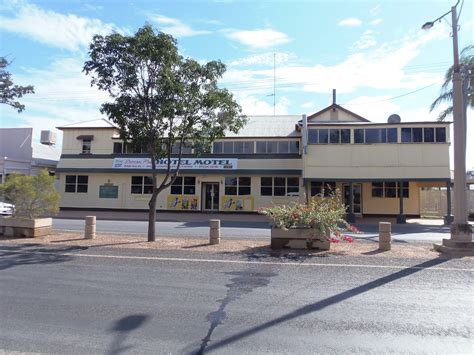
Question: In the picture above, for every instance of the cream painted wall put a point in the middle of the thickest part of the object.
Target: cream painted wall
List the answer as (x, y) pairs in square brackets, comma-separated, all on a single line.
[(334, 115), (376, 205), (101, 144)]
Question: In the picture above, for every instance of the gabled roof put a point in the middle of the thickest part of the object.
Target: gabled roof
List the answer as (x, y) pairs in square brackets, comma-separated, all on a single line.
[(99, 123), (338, 107)]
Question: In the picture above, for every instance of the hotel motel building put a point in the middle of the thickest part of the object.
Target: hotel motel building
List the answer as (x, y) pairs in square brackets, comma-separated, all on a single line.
[(379, 168)]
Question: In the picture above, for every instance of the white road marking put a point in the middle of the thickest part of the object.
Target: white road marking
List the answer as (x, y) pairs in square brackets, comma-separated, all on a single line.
[(157, 258)]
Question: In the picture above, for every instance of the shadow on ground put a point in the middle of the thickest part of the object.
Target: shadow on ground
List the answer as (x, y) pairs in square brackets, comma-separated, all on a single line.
[(34, 254), (122, 329)]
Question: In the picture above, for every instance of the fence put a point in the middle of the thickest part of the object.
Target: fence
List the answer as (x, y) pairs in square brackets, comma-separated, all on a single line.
[(433, 202)]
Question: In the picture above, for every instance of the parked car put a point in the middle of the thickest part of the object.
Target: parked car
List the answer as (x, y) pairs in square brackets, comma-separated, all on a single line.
[(6, 209)]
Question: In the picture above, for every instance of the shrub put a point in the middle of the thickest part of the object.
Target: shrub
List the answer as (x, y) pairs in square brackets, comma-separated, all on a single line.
[(33, 196), (325, 216)]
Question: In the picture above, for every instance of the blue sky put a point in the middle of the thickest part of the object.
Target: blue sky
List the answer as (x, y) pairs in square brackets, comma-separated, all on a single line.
[(371, 52)]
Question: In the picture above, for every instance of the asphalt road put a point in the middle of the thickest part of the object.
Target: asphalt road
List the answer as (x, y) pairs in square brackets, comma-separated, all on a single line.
[(246, 229), (91, 301)]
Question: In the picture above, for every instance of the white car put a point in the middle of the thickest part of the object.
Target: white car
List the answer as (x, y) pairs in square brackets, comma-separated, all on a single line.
[(6, 209)]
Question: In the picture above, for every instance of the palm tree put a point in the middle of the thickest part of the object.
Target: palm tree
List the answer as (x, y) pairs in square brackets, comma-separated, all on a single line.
[(466, 62)]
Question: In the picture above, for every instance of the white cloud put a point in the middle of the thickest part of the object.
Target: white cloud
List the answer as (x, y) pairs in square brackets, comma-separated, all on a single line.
[(54, 29), (365, 41), (375, 22), (252, 105), (308, 104), (375, 10), (263, 59), (350, 22), (175, 27), (257, 39)]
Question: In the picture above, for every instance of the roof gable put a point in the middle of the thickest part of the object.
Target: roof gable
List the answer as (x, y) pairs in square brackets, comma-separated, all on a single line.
[(336, 113), (99, 123)]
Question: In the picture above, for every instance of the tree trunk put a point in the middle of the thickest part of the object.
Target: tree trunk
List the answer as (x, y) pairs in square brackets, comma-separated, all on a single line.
[(152, 218)]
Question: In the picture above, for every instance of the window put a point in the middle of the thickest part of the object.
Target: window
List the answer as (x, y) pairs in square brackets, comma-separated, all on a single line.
[(86, 145), (217, 147), (141, 185), (417, 135), (312, 136), (390, 189), (279, 186), (76, 183), (441, 135), (294, 147), (184, 185), (406, 135), (426, 135), (345, 135), (118, 148), (322, 188), (175, 149), (323, 136), (392, 135), (237, 186), (359, 137)]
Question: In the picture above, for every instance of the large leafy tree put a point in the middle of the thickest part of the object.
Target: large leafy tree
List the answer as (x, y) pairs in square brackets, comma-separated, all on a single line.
[(161, 101), (466, 64), (9, 92)]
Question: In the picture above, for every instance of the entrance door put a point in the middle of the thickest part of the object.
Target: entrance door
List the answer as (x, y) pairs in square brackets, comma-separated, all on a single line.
[(356, 197), (210, 196)]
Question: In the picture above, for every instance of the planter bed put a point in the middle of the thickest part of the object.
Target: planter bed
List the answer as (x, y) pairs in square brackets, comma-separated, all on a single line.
[(27, 228), (297, 238)]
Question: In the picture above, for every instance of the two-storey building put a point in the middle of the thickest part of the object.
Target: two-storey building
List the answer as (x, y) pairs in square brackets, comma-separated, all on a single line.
[(379, 168)]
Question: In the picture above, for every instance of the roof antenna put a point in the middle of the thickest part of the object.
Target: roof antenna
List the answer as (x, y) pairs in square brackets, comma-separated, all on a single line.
[(333, 96), (274, 80)]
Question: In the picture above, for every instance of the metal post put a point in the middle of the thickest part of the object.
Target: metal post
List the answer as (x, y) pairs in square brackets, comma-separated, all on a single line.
[(350, 213), (401, 218), (448, 219)]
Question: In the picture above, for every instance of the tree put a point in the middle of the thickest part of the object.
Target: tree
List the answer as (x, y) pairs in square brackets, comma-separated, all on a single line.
[(33, 196), (10, 92), (466, 63), (162, 102)]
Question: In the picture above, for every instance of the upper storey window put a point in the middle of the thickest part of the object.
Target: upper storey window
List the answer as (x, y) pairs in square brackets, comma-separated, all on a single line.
[(86, 143), (329, 136), (423, 135)]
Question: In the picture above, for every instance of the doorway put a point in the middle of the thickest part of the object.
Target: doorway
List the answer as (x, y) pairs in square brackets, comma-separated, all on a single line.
[(210, 196), (356, 197)]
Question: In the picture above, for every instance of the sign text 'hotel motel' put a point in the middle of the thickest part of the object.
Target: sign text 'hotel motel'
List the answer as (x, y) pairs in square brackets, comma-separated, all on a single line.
[(186, 163)]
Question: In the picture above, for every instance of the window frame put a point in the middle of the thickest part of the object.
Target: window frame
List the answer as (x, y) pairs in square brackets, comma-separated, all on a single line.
[(146, 184), (390, 189), (239, 186), (76, 184), (272, 187)]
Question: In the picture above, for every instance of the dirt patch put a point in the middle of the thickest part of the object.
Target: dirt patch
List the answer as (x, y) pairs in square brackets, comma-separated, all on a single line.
[(411, 250)]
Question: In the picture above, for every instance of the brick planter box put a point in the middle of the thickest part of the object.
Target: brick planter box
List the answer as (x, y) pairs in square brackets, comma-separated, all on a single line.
[(27, 228), (297, 238)]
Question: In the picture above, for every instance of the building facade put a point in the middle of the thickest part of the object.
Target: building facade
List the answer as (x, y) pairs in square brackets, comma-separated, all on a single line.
[(379, 168)]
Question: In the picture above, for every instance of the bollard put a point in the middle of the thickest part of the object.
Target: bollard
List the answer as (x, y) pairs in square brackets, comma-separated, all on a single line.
[(385, 236), (89, 231), (214, 231)]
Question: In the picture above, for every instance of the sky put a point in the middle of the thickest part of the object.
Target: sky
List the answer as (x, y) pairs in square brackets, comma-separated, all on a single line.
[(374, 53)]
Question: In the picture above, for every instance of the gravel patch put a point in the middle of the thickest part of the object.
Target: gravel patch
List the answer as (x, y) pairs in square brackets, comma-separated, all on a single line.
[(367, 249)]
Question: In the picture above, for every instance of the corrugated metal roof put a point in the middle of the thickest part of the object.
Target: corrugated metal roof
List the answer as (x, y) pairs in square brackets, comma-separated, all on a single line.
[(269, 126), (46, 152), (99, 123)]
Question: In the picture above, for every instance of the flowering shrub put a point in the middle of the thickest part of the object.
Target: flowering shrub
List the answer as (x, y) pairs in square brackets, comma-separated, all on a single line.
[(325, 216)]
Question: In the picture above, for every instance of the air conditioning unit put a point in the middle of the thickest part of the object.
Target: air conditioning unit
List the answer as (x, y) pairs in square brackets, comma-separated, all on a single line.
[(48, 137)]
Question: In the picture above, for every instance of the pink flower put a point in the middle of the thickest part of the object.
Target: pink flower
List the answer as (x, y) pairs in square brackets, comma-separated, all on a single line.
[(348, 239), (334, 240)]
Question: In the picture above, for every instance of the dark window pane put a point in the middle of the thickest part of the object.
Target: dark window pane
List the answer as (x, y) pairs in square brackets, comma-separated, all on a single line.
[(266, 181), (189, 180), (392, 135), (147, 189), (323, 136), (70, 179), (244, 190), (279, 181), (383, 135), (265, 191), (70, 188), (441, 134), (248, 147), (292, 190), (316, 191), (148, 180), (428, 135), (244, 181), (390, 189), (329, 188), (373, 135), (283, 147), (293, 181), (137, 180), (345, 135), (136, 189), (228, 147), (81, 179), (316, 184), (81, 188), (238, 147), (118, 148), (406, 135), (231, 181), (231, 190), (176, 190), (377, 189), (417, 134), (334, 136), (272, 147), (312, 136), (359, 136), (217, 147), (178, 181), (294, 147), (261, 147), (279, 191), (189, 190)]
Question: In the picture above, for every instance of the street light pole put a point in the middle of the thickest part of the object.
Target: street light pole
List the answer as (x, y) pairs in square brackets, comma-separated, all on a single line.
[(461, 230)]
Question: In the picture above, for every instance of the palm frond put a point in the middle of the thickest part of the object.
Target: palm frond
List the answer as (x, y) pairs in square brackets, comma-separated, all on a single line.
[(445, 113)]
